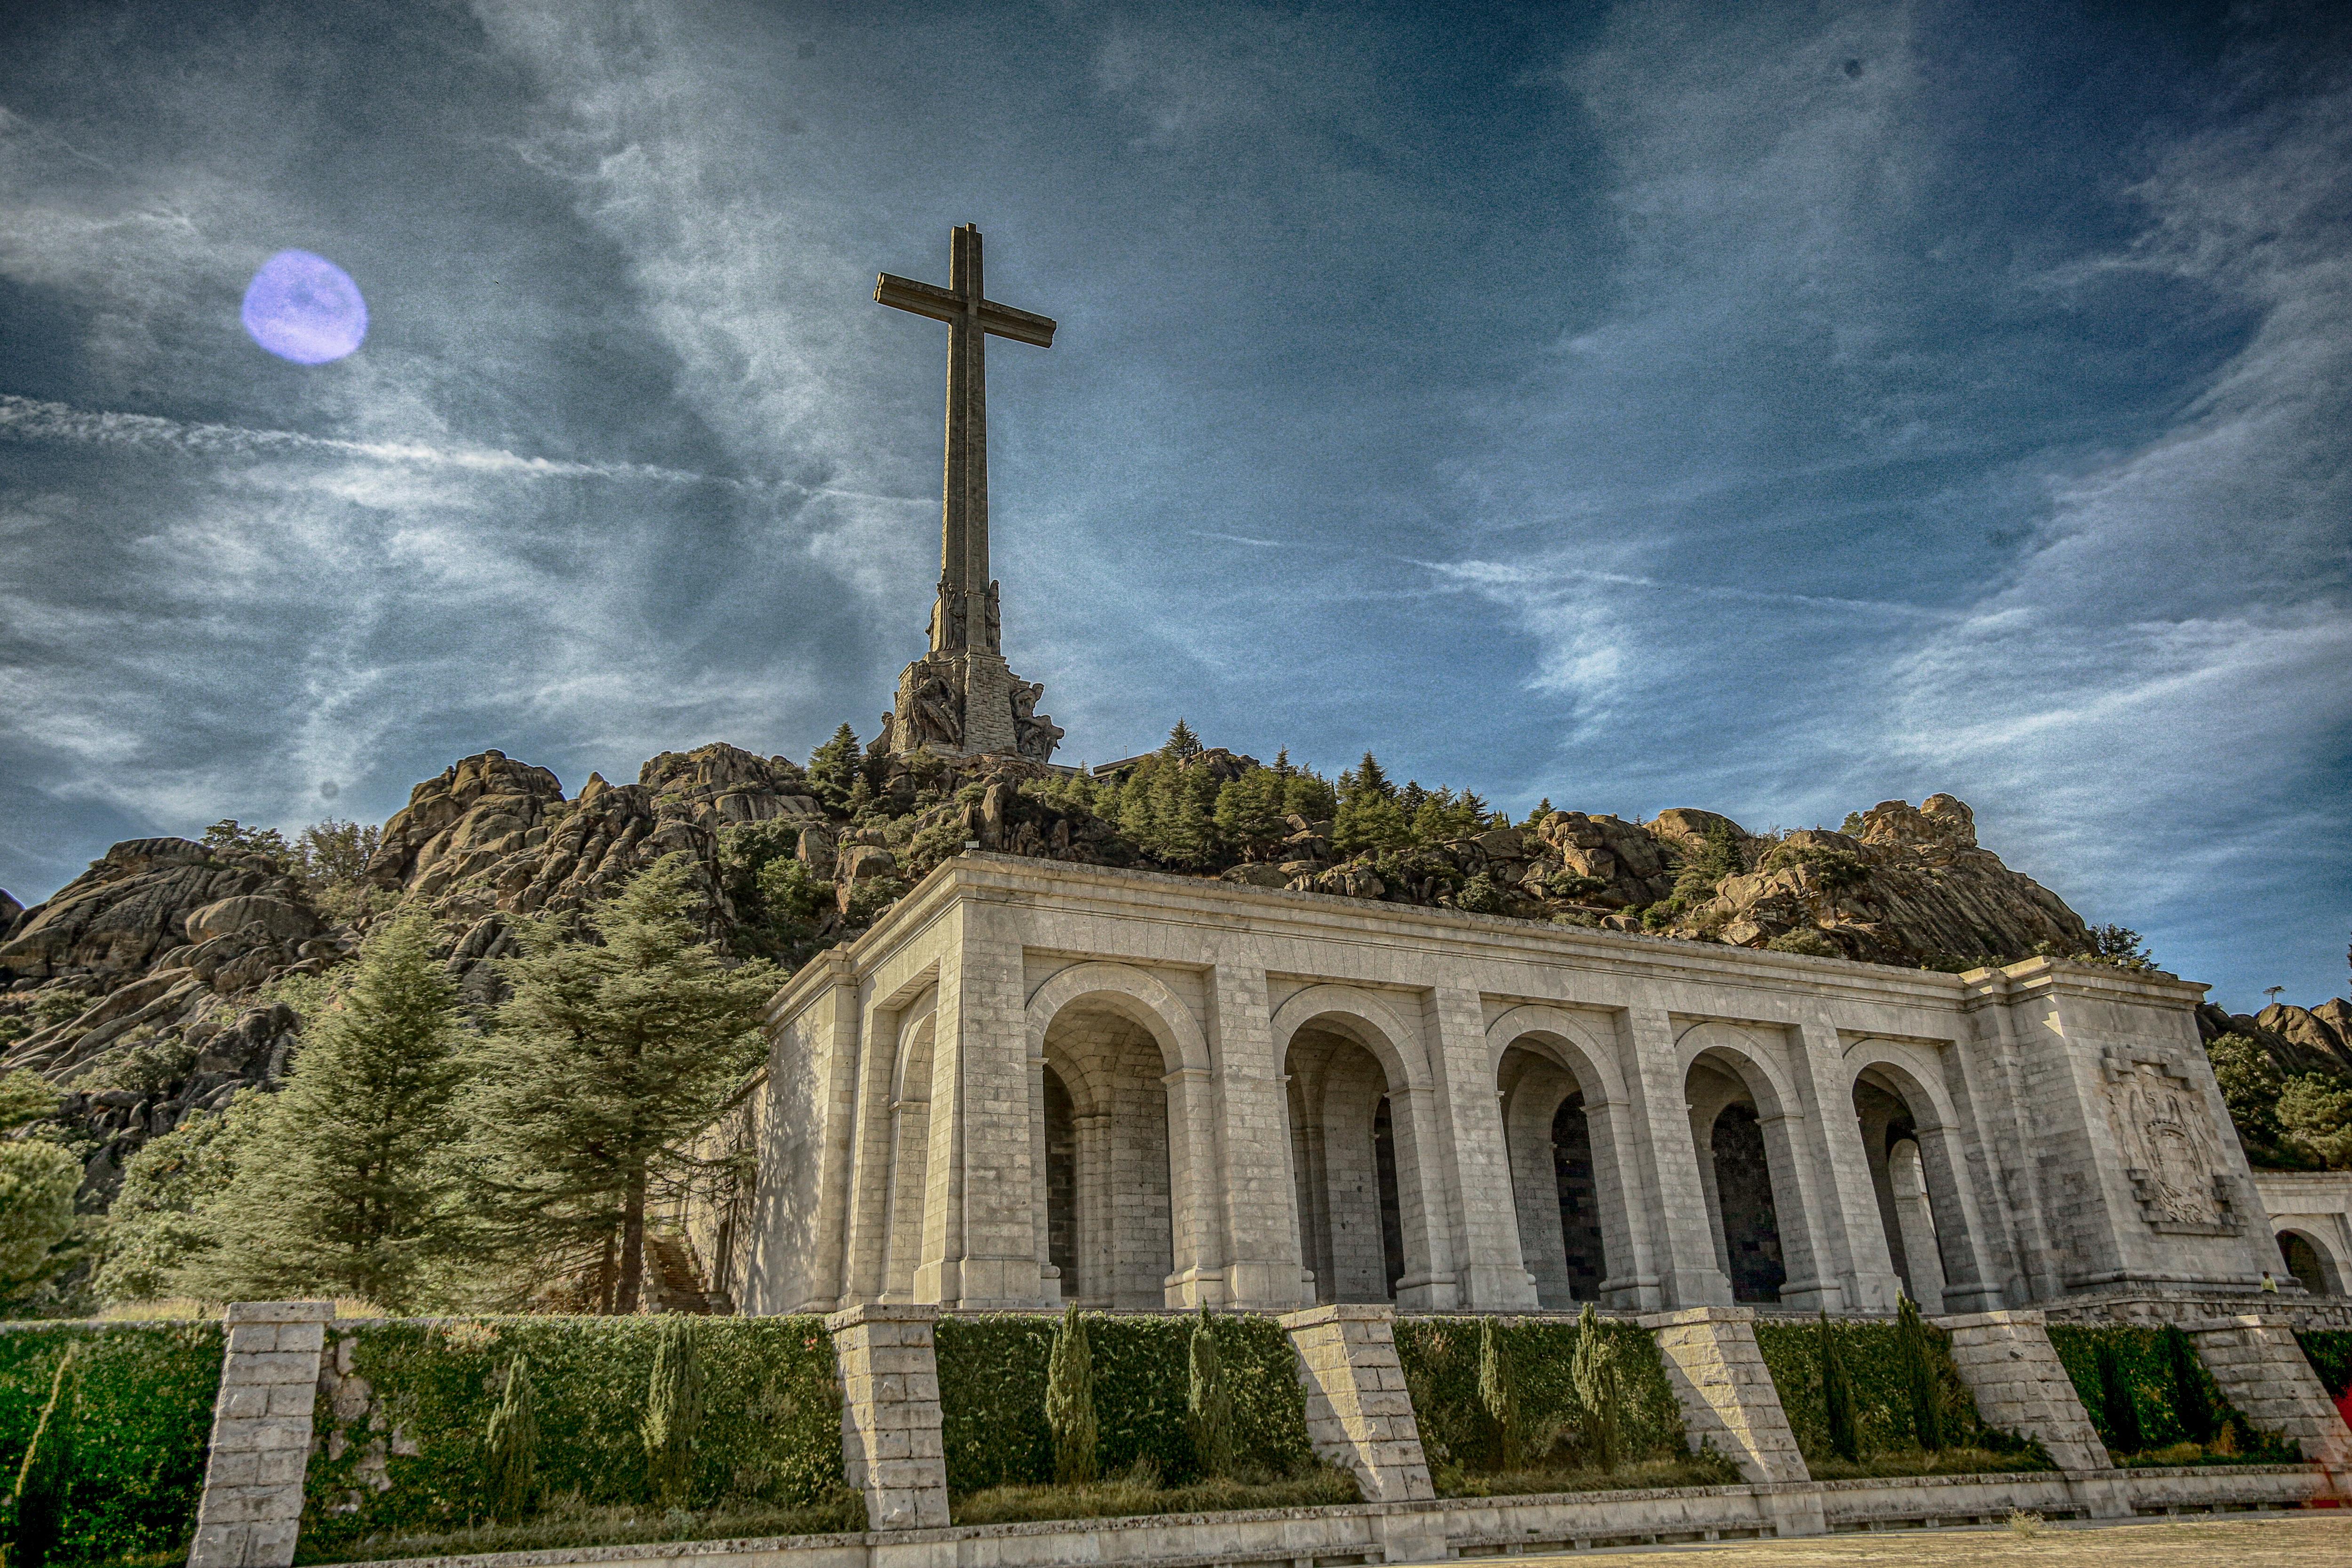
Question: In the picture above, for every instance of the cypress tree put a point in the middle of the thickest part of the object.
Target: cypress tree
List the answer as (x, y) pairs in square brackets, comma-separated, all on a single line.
[(1593, 1370), (1837, 1394), (45, 1479), (1208, 1405), (2119, 1413), (1919, 1375), (673, 1413), (512, 1447), (1498, 1395), (609, 1060), (1070, 1402), (2198, 1419), (344, 1189)]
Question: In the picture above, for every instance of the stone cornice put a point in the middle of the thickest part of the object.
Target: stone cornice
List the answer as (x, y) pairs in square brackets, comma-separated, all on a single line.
[(1204, 902)]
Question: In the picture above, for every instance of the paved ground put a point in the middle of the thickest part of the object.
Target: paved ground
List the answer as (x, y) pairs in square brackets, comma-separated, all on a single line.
[(2319, 1539)]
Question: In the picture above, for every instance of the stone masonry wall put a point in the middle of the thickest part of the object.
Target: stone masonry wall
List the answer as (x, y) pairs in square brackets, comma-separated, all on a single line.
[(2009, 1364), (252, 1505), (1359, 1413), (2262, 1371), (1726, 1391)]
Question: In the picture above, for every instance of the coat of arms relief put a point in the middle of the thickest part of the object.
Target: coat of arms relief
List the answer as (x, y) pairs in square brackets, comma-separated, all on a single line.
[(2171, 1154)]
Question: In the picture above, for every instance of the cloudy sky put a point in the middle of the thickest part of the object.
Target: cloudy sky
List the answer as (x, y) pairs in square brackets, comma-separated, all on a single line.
[(1617, 403)]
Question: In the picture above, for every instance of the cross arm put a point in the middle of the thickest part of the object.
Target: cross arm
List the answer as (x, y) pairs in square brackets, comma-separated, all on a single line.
[(939, 305)]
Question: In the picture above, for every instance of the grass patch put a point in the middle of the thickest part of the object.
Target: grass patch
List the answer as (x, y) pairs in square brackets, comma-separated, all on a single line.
[(1138, 1492), (1954, 1461), (572, 1523), (1708, 1468), (2222, 1451)]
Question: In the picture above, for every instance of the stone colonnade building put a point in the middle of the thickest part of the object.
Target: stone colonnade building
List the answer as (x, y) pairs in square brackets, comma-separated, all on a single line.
[(1034, 1082)]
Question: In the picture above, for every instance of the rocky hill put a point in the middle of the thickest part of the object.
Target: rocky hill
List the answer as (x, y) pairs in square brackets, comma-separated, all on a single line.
[(158, 982)]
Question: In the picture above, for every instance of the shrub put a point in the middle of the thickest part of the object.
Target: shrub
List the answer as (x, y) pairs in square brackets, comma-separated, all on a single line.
[(673, 1413), (1499, 1397), (1558, 1426), (1070, 1402), (768, 1433), (1208, 1409), (993, 1381), (1919, 1372), (1806, 941), (1885, 1420), (2329, 1351), (137, 1432), (510, 1447), (1593, 1371)]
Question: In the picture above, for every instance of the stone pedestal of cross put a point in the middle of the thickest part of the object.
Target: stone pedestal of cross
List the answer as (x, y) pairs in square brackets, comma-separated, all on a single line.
[(960, 699)]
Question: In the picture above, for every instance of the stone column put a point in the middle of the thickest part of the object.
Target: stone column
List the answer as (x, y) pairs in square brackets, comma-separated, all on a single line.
[(1473, 1159), (2262, 1371), (1357, 1412), (1664, 1145), (1849, 1244), (1727, 1392), (251, 1508), (890, 1440), (1261, 1202)]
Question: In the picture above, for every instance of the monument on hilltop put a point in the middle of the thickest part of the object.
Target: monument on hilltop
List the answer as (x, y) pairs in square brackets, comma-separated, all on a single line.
[(960, 699)]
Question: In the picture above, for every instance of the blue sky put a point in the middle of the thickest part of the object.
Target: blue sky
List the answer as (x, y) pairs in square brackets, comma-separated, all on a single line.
[(1774, 409)]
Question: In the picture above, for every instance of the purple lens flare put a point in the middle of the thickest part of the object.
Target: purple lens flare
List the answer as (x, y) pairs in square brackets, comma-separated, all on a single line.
[(305, 307)]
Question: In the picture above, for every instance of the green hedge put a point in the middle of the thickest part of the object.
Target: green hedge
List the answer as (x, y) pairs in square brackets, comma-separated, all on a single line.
[(992, 1396), (2148, 1369), (1881, 1393), (1441, 1367), (2329, 1350), (142, 1425), (404, 1443)]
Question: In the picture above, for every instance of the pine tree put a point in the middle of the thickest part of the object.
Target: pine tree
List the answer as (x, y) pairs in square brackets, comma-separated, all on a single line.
[(1499, 1397), (510, 1447), (1366, 777), (1182, 745), (2118, 1411), (1249, 811), (1070, 1402), (1543, 808), (611, 1055), (1837, 1394), (1308, 797), (835, 768), (344, 1188), (673, 1413), (1593, 1370), (1208, 1404), (1283, 769), (36, 1503), (1919, 1376)]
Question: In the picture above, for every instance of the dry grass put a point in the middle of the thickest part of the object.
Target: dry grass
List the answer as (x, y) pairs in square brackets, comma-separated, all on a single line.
[(1683, 1470), (2318, 1539), (187, 1308), (569, 1523), (1917, 1462), (1140, 1494)]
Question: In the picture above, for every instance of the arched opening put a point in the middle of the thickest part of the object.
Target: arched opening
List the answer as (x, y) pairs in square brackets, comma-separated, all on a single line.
[(1913, 1173), (1750, 1222), (2309, 1264), (1351, 1160), (1555, 1183), (1110, 1231)]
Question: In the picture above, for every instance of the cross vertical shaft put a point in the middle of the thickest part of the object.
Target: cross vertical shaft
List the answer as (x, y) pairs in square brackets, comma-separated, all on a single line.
[(962, 620)]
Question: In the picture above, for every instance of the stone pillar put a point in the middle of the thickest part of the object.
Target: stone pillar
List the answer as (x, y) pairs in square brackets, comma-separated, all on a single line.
[(1727, 1392), (2262, 1371), (1263, 1266), (251, 1508), (1473, 1159), (2011, 1368), (1849, 1243), (1684, 1231), (1357, 1412), (890, 1440)]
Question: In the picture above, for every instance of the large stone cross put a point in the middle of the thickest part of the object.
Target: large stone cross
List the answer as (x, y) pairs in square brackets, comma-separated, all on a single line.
[(966, 615)]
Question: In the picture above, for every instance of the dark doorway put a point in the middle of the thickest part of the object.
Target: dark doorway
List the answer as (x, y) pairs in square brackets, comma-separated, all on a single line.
[(1061, 1182), (1392, 1208), (2302, 1260), (1580, 1199), (1752, 1226)]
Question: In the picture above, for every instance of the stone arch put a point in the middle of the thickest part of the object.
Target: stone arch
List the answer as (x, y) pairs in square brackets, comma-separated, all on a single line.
[(1746, 1130), (1373, 1224), (1135, 1211), (2311, 1260), (909, 1155), (1927, 1207), (1567, 1134)]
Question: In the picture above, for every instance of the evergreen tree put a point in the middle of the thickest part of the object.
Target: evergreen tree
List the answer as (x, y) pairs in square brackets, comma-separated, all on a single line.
[(345, 1191), (1499, 1397), (1543, 808), (1366, 777), (36, 1503), (1837, 1394), (673, 1413), (1308, 797), (1370, 820), (610, 1057), (1593, 1370), (1249, 811), (510, 1447), (1208, 1404), (1070, 1402), (835, 768), (2190, 1402), (1282, 766), (1919, 1376), (157, 1235), (1182, 745), (2118, 1411)]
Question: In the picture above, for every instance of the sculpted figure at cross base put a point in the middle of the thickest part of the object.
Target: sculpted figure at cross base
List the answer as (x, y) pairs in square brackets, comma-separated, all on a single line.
[(1034, 734), (934, 715)]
